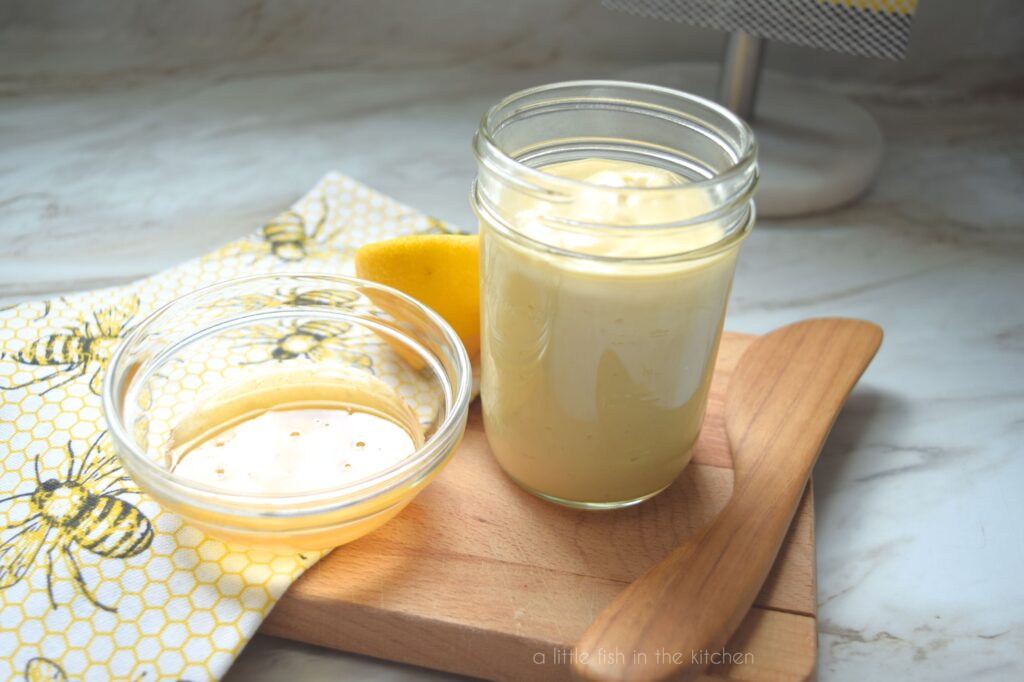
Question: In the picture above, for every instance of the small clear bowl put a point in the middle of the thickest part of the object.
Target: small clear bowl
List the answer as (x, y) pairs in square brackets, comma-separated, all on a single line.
[(197, 347)]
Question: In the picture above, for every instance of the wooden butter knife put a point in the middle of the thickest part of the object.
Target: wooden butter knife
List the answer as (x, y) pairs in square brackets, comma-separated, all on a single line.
[(780, 405)]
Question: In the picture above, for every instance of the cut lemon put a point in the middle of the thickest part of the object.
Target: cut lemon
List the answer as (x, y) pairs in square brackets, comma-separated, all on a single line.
[(442, 271)]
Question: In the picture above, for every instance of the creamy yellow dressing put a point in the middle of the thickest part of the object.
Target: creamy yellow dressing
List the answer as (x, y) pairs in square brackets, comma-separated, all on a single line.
[(596, 370)]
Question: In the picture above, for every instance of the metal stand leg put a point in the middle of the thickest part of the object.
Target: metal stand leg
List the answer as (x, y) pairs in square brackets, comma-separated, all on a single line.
[(741, 71)]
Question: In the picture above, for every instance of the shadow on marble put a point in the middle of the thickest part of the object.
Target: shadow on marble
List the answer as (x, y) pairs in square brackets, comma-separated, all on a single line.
[(847, 437)]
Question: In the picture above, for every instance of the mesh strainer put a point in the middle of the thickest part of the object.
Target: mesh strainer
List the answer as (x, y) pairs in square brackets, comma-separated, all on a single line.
[(872, 28), (818, 150)]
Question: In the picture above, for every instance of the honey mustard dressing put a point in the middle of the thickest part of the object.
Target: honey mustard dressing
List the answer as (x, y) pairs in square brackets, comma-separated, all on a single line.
[(290, 432), (596, 369)]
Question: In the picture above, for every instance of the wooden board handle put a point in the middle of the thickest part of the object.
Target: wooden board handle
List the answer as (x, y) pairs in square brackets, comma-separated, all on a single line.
[(780, 406)]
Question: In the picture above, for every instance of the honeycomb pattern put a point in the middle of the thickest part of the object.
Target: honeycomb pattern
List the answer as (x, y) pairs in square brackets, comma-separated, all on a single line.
[(183, 605)]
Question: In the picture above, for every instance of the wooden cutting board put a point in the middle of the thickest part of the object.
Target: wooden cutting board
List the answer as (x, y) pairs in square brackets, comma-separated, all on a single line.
[(477, 577)]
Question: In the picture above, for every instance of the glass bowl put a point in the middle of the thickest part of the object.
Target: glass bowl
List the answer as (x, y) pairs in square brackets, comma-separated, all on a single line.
[(196, 348)]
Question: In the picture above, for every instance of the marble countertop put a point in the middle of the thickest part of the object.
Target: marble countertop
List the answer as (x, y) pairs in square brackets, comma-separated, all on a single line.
[(919, 501)]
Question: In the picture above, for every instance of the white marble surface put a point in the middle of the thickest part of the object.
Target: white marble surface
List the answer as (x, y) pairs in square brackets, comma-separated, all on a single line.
[(919, 490)]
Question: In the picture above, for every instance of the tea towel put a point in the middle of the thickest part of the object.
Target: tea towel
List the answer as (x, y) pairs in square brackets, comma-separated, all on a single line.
[(97, 581)]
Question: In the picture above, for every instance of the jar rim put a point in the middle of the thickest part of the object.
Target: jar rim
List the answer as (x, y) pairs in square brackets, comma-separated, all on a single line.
[(745, 154)]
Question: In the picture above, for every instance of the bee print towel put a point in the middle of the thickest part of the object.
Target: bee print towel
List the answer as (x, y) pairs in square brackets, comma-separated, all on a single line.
[(98, 582)]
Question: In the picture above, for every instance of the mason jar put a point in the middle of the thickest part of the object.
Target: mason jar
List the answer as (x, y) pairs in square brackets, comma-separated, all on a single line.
[(611, 215)]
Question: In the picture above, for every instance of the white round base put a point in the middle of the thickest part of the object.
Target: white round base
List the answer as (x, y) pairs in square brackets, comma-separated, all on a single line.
[(816, 150)]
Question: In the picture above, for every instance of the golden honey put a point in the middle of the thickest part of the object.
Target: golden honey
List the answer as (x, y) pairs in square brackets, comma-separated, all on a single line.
[(267, 411), (294, 432)]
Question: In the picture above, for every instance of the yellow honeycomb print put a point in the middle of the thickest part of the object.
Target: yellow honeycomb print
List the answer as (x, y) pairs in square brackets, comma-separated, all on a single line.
[(97, 581)]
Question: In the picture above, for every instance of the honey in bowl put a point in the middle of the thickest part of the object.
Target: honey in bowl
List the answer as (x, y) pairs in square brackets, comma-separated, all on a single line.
[(202, 370), (294, 431)]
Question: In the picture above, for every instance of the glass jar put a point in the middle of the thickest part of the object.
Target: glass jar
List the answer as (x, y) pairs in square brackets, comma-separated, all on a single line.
[(604, 286)]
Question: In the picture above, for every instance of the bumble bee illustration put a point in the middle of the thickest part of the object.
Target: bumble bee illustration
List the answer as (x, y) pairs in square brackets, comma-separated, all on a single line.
[(41, 669), (327, 298), (75, 350), (315, 340), (314, 298), (290, 239), (82, 511)]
